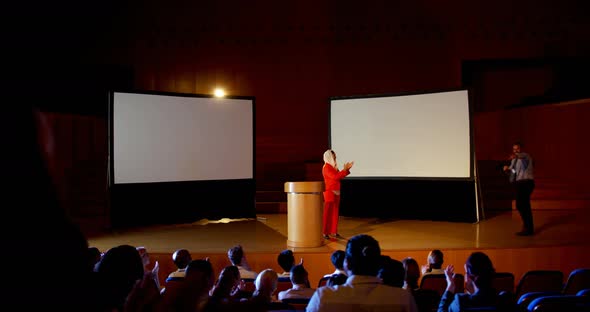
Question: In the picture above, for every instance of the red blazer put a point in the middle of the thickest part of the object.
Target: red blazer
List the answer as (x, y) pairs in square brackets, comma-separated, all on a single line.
[(332, 179)]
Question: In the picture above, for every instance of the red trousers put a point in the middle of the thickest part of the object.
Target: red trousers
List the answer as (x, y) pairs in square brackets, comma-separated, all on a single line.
[(330, 224)]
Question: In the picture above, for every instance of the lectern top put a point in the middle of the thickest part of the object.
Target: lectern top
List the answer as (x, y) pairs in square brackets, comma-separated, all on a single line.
[(304, 187)]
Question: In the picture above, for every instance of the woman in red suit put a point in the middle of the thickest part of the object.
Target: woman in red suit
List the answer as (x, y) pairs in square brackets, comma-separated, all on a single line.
[(332, 177)]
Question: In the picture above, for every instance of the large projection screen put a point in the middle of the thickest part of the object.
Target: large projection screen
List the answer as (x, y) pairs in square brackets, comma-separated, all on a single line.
[(177, 158), (165, 138), (424, 136)]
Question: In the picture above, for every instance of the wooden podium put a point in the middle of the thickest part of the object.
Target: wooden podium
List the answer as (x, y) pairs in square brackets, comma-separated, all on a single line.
[(304, 213)]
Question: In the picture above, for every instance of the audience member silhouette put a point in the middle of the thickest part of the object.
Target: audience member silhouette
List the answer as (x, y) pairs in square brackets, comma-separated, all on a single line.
[(64, 278), (286, 261), (193, 293), (224, 293), (479, 272), (392, 272), (412, 274), (181, 259), (238, 258), (426, 299), (435, 261), (363, 290), (300, 282), (266, 284), (264, 297), (337, 259), (118, 271)]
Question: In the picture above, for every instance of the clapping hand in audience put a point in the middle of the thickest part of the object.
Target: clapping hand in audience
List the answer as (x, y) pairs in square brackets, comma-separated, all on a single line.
[(450, 275), (143, 295), (156, 268)]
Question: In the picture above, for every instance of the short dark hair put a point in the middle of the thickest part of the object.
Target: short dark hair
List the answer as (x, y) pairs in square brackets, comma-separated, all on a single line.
[(200, 270), (181, 258), (480, 268), (392, 272), (338, 259), (412, 272), (235, 254), (363, 255), (286, 260), (298, 274), (519, 143), (436, 259)]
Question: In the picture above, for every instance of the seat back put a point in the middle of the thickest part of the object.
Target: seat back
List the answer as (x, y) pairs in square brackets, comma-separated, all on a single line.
[(578, 280), (526, 299), (503, 281), (323, 281), (438, 283), (434, 282), (282, 285), (559, 303), (300, 304), (540, 280)]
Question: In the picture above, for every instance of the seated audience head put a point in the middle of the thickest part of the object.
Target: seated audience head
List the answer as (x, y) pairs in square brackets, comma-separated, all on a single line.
[(266, 283), (299, 275), (181, 258), (227, 283), (435, 260), (412, 273), (392, 272), (286, 260), (119, 269), (479, 270), (338, 259), (336, 279), (199, 274), (363, 256), (235, 255)]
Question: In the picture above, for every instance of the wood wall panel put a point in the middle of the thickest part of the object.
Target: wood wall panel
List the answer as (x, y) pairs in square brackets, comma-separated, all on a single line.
[(555, 137), (79, 159)]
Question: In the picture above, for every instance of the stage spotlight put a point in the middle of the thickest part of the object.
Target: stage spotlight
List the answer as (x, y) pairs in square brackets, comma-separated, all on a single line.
[(219, 92)]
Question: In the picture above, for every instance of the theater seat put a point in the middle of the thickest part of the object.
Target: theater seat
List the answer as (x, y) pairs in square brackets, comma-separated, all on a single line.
[(560, 303), (540, 281), (578, 280), (438, 283), (503, 281)]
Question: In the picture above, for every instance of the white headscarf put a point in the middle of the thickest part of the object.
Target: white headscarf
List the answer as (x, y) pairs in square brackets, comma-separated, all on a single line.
[(329, 158)]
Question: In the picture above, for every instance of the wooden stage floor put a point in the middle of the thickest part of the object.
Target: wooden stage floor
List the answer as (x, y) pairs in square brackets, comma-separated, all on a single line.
[(562, 241)]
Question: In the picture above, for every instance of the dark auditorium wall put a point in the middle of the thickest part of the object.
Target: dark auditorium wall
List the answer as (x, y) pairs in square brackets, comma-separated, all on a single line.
[(292, 56)]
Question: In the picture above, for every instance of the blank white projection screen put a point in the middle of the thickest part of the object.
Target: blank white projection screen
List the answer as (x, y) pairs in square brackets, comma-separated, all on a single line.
[(416, 136), (160, 138)]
